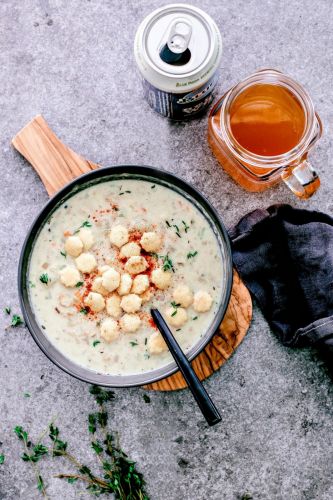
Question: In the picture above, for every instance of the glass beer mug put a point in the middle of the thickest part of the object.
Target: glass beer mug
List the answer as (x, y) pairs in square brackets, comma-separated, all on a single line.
[(262, 130)]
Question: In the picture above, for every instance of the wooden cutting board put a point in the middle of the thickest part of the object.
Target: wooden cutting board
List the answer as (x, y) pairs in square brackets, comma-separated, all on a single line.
[(56, 164)]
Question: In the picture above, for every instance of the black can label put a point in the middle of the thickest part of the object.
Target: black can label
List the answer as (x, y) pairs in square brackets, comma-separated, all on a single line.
[(180, 106)]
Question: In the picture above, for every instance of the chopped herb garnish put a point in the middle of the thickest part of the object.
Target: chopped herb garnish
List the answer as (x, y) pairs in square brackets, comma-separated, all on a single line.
[(154, 254), (7, 310), (84, 310), (153, 186), (186, 227), (64, 254), (178, 329), (177, 230), (85, 223), (195, 317), (133, 343), (78, 284), (190, 255), (168, 223), (96, 342), (167, 263), (146, 341), (2, 459), (123, 192), (175, 306), (44, 278), (27, 395), (16, 320), (146, 398)]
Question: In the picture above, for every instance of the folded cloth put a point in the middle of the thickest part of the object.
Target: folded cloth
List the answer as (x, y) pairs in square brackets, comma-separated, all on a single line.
[(285, 257)]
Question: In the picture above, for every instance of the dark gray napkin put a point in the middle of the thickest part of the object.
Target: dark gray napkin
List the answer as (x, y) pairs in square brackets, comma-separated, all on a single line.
[(285, 257)]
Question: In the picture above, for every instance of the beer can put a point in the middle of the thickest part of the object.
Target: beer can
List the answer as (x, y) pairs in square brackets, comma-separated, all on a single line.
[(178, 50)]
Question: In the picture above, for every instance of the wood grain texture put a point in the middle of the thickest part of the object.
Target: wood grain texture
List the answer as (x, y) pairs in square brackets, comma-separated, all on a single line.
[(230, 334), (57, 164)]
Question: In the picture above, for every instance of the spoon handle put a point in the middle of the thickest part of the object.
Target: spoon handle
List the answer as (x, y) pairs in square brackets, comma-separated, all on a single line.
[(200, 394)]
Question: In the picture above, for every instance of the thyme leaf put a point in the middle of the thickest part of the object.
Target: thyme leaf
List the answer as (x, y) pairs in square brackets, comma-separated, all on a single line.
[(175, 306), (85, 223), (44, 278), (16, 320), (167, 263)]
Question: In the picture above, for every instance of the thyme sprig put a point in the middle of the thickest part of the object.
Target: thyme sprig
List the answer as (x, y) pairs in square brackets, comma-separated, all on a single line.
[(32, 453), (119, 475)]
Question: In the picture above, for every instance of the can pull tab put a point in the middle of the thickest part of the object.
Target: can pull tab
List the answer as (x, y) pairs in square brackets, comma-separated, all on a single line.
[(176, 50)]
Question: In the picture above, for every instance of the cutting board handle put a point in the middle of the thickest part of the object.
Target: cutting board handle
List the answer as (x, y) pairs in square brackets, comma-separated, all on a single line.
[(55, 163)]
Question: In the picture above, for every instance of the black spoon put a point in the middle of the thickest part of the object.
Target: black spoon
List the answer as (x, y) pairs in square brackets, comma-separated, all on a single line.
[(200, 394)]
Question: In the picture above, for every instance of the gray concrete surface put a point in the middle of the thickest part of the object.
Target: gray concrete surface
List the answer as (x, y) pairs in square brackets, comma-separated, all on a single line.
[(72, 61)]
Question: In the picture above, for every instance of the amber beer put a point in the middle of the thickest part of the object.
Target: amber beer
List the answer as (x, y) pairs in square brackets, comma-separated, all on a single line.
[(261, 132)]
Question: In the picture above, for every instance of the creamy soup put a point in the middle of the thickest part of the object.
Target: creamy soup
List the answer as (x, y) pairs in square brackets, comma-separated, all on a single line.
[(110, 253)]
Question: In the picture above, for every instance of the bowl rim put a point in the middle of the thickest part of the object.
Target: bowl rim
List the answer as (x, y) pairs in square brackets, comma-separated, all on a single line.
[(46, 346)]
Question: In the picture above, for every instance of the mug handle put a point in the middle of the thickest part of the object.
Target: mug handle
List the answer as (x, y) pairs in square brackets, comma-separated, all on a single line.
[(302, 179)]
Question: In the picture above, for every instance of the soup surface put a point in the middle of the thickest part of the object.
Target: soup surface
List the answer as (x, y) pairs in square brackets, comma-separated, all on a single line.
[(110, 253)]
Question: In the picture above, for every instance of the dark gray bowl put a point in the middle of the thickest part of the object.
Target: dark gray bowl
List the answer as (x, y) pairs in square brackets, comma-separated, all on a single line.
[(95, 177)]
